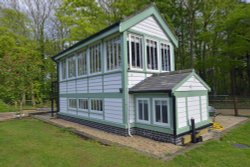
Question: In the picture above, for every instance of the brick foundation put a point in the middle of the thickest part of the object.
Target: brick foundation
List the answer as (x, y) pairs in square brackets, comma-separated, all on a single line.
[(159, 136)]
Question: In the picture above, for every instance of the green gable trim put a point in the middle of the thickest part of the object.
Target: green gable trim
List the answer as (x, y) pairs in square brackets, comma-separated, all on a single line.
[(95, 120), (191, 93), (150, 11), (92, 95), (189, 76)]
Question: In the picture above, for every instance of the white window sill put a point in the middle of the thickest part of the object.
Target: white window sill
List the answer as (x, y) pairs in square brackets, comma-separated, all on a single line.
[(161, 124), (96, 112), (143, 121)]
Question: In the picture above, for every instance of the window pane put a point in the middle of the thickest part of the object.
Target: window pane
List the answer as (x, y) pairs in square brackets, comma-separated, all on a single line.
[(140, 108), (113, 54), (165, 57), (146, 110), (95, 59), (152, 56), (82, 63), (164, 113), (72, 103), (83, 104), (157, 111), (71, 67), (63, 69), (136, 51)]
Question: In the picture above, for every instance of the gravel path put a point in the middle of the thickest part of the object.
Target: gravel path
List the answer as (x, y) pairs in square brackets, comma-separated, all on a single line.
[(139, 143)]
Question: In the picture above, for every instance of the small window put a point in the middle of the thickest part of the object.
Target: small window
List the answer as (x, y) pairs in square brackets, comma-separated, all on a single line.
[(135, 51), (96, 105), (82, 63), (95, 58), (63, 69), (152, 56), (143, 110), (72, 103), (72, 67), (83, 104), (165, 57), (161, 111), (113, 56)]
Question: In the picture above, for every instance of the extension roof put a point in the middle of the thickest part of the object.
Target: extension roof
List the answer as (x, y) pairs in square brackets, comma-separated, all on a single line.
[(165, 82), (122, 26)]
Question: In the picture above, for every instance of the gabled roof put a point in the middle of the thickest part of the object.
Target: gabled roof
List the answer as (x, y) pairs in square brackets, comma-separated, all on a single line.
[(165, 82), (122, 26)]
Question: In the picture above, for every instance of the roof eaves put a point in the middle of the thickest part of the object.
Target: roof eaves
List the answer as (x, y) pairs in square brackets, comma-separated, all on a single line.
[(113, 26)]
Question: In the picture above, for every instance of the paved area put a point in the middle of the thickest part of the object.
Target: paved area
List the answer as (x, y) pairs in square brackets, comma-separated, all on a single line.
[(148, 146), (242, 112), (6, 116), (229, 121)]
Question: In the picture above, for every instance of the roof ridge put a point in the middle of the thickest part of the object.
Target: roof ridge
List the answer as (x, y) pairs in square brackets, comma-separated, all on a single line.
[(175, 72)]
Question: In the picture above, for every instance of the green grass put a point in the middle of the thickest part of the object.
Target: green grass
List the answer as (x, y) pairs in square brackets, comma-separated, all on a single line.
[(219, 153), (32, 143)]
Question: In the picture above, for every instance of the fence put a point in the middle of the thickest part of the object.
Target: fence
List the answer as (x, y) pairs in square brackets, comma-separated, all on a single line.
[(228, 102)]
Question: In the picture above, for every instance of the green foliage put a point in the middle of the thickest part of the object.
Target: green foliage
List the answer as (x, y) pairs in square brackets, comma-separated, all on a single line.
[(5, 107)]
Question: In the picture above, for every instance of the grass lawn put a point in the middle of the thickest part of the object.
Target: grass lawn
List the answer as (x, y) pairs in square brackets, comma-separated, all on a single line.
[(30, 143)]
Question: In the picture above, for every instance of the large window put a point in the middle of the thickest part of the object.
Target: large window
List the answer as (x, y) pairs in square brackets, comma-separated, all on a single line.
[(113, 55), (82, 63), (135, 56), (96, 105), (83, 104), (165, 57), (72, 103), (152, 56), (63, 69), (161, 113), (72, 67), (95, 58), (143, 110)]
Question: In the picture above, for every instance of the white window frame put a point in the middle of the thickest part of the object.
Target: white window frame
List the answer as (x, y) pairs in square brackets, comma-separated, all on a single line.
[(61, 70), (154, 112), (158, 54), (78, 56), (117, 65), (74, 57), (170, 55), (96, 111), (130, 52), (99, 45), (78, 104), (137, 111), (69, 103)]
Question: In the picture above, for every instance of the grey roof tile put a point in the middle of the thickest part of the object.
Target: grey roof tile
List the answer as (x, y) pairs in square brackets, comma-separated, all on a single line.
[(160, 82)]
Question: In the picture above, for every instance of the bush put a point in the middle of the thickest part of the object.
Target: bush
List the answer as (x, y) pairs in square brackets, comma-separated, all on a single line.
[(5, 107)]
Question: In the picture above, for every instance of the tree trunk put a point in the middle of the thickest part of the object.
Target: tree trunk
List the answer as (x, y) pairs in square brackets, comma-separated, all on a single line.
[(233, 89), (248, 72), (23, 98), (33, 99)]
